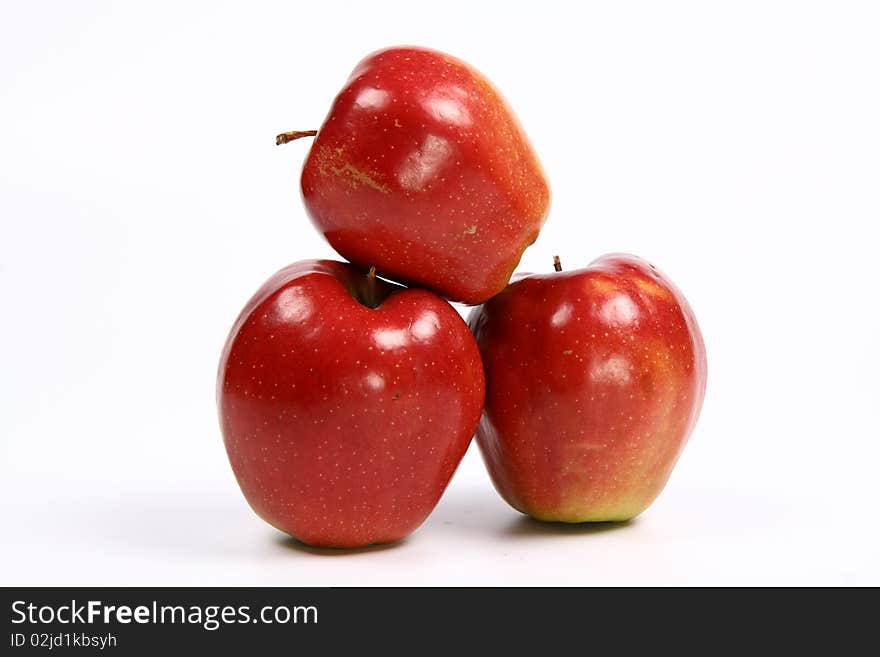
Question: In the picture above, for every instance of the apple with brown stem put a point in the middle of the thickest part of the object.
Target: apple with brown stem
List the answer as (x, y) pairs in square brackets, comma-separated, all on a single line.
[(422, 169), (346, 403), (594, 382)]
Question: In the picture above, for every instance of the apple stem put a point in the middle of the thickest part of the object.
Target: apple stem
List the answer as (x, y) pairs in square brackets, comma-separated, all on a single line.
[(285, 137), (371, 287), (557, 263)]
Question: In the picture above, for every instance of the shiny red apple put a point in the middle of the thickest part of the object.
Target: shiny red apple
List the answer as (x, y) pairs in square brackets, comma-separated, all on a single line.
[(594, 381), (346, 403), (422, 169)]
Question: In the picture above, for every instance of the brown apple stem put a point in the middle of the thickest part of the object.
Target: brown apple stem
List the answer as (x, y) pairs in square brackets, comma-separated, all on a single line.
[(285, 137), (557, 263), (371, 287)]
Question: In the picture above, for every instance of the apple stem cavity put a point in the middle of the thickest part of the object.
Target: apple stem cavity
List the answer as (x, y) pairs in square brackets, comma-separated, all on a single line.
[(370, 295), (366, 290), (285, 137), (557, 263)]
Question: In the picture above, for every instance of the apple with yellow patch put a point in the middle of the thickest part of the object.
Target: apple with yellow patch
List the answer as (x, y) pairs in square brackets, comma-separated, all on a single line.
[(594, 382)]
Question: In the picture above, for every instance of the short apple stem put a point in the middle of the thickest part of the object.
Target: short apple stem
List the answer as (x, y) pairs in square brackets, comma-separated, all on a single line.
[(557, 263), (371, 287), (285, 137)]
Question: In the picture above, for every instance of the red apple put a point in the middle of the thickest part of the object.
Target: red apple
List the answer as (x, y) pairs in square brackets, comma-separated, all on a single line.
[(594, 381), (422, 169), (346, 403)]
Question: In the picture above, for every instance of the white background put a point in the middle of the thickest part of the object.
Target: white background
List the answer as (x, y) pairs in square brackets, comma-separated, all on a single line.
[(736, 145)]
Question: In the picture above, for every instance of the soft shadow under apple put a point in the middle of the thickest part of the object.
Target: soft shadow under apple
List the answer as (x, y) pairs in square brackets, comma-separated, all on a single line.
[(468, 511), (528, 526), (290, 543)]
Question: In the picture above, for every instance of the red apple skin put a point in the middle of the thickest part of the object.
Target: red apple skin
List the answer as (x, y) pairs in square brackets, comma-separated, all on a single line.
[(422, 169), (343, 423), (594, 381)]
